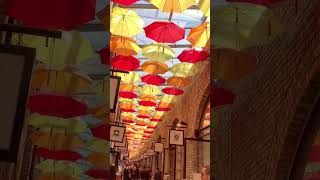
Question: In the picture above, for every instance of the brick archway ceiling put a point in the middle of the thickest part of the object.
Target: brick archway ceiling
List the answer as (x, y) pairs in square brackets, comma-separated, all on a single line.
[(188, 20), (249, 137)]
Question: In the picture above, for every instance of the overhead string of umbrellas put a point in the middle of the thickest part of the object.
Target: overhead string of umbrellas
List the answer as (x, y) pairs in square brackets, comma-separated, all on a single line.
[(145, 100), (68, 130), (239, 25)]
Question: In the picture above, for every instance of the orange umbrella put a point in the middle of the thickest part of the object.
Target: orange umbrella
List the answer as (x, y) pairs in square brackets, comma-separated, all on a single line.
[(127, 105), (154, 67), (98, 160), (56, 141), (165, 105), (61, 80), (125, 46), (200, 35), (128, 87), (179, 81), (148, 97), (233, 65)]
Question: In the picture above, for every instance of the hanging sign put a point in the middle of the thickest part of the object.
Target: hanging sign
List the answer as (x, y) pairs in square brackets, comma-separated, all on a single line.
[(176, 137), (158, 147), (117, 133), (15, 73), (114, 89)]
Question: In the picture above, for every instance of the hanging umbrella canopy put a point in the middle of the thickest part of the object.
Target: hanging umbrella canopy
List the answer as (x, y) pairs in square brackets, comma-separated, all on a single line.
[(158, 52), (124, 22), (127, 105), (59, 167), (167, 99), (153, 79), (58, 14), (150, 89), (220, 96), (98, 160), (165, 105), (131, 77), (193, 56), (242, 25), (104, 56), (61, 80), (172, 91), (173, 5), (232, 65), (127, 94), (314, 176), (205, 7), (98, 146), (154, 67), (54, 124), (101, 131), (163, 109), (72, 48), (149, 97), (125, 63), (101, 113), (128, 87), (260, 2), (147, 103), (164, 32), (125, 46), (314, 154), (125, 2), (200, 35), (58, 155), (56, 105), (184, 69), (56, 141), (179, 81)]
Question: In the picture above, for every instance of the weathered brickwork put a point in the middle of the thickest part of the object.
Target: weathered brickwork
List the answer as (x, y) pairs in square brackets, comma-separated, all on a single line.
[(249, 138)]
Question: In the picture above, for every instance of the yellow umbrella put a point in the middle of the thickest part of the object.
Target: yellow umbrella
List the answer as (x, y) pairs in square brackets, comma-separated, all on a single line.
[(154, 67), (149, 97), (125, 46), (205, 7), (165, 105), (98, 160), (200, 35), (127, 105), (73, 48), (128, 87), (179, 81), (168, 98), (126, 100), (124, 22), (158, 52), (56, 125), (98, 146), (56, 141), (131, 77), (128, 115), (184, 69), (146, 108), (60, 80), (59, 167), (150, 89), (172, 5)]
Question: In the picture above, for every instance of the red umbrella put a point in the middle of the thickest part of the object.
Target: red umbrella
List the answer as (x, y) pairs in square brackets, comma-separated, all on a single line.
[(164, 32), (312, 177), (55, 105), (127, 110), (127, 121), (127, 94), (221, 96), (147, 103), (146, 136), (58, 155), (172, 91), (155, 120), (125, 2), (163, 109), (98, 173), (261, 2), (102, 131), (104, 56), (57, 14), (193, 56), (314, 155), (151, 127), (143, 116), (125, 63), (153, 79)]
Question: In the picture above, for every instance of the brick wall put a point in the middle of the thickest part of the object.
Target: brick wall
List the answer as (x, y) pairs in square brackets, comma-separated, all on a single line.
[(250, 135)]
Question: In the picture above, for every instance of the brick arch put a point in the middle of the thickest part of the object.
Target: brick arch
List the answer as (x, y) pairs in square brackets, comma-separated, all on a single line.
[(203, 102)]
